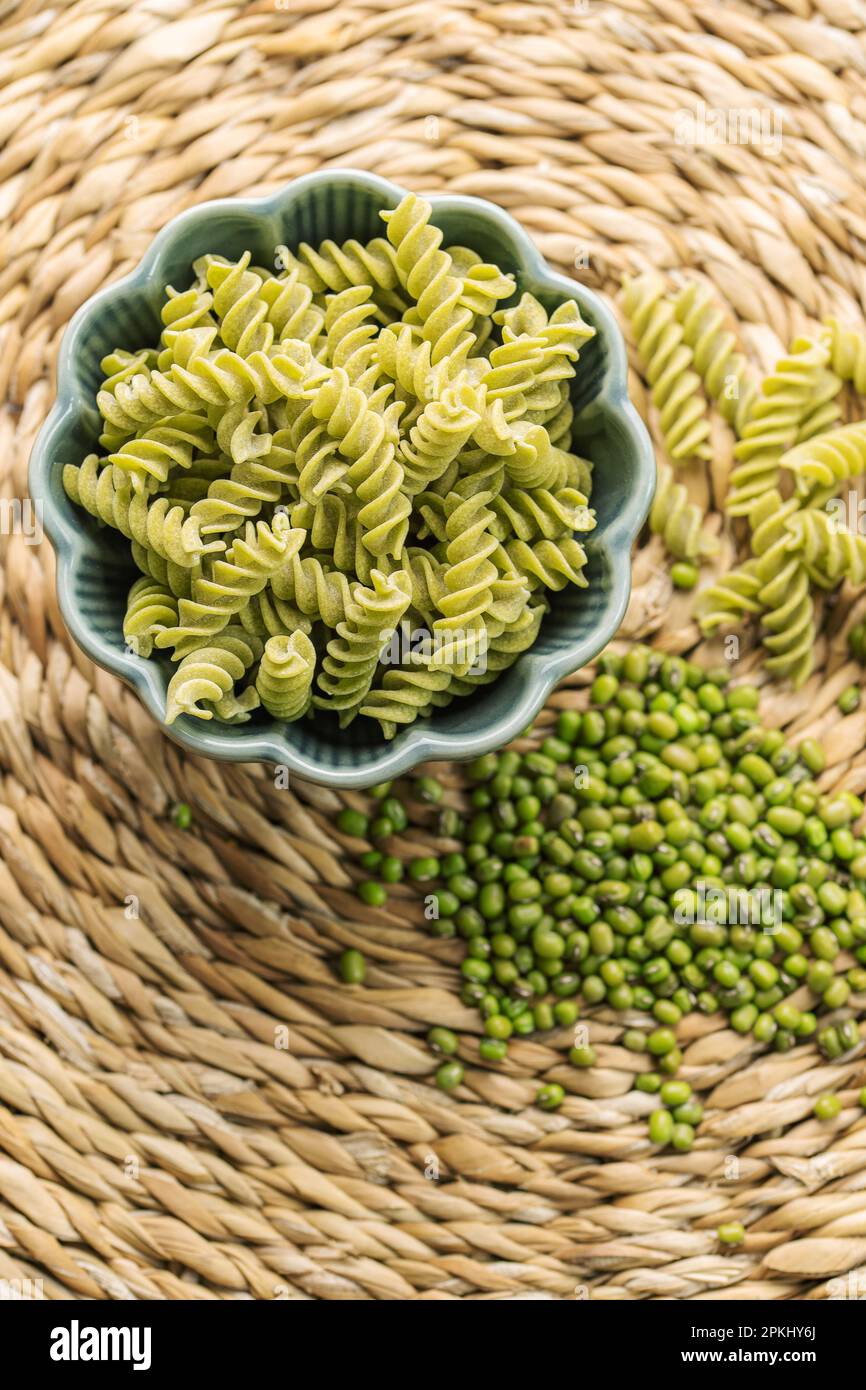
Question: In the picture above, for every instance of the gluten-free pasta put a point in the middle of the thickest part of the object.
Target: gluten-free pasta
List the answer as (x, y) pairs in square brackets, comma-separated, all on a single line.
[(347, 482)]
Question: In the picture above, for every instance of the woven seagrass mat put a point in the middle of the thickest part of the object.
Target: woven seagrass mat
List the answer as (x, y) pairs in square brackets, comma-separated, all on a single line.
[(190, 1106)]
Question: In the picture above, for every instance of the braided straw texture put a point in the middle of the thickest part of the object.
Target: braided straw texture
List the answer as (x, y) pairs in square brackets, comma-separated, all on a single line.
[(190, 1106)]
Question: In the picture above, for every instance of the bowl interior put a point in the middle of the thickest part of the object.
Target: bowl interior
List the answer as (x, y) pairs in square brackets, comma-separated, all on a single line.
[(339, 207)]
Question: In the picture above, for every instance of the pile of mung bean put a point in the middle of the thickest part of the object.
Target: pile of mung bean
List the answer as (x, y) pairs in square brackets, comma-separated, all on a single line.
[(660, 853)]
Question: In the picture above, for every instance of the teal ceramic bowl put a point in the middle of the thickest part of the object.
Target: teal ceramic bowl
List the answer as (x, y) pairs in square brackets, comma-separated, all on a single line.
[(94, 570)]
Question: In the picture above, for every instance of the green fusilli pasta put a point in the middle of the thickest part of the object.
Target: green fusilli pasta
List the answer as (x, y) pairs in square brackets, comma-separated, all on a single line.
[(334, 268), (830, 551), (442, 430), (777, 414), (483, 284), (352, 656), (150, 607), (351, 332), (728, 600), (469, 573), (318, 593), (375, 476), (538, 514), (728, 377), (829, 460), (146, 460), (359, 448), (204, 683), (266, 615), (285, 676), (559, 337), (425, 271), (226, 584), (404, 694), (788, 613), (290, 309), (176, 579), (679, 522), (153, 521), (551, 564), (674, 386), (239, 307), (848, 354)]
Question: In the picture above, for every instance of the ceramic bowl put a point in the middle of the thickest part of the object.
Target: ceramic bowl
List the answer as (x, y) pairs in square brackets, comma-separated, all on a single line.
[(94, 569)]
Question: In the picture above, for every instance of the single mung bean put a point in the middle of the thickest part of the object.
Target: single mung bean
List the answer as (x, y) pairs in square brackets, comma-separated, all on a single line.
[(353, 967), (731, 1233), (449, 1075), (550, 1097), (661, 1126), (827, 1107), (443, 1040)]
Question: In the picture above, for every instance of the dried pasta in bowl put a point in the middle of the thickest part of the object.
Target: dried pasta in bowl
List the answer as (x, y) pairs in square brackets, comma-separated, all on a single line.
[(348, 483)]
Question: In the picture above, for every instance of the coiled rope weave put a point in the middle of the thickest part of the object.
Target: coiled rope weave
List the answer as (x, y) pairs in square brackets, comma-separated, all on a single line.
[(190, 1106)]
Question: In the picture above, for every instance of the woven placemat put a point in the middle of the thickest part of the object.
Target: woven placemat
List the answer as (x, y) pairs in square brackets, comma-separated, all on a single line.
[(190, 1106)]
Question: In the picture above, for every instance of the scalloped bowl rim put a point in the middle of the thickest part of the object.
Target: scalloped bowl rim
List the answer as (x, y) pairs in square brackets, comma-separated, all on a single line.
[(417, 743)]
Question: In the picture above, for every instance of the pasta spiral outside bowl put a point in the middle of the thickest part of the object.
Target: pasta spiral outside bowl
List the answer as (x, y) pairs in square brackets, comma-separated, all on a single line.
[(94, 569)]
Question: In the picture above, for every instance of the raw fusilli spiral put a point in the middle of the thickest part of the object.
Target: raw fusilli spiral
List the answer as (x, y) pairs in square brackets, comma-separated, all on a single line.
[(285, 676), (351, 330), (559, 336), (830, 551), (349, 666), (262, 471), (147, 459), (405, 693), (729, 599), (824, 410), (679, 522), (440, 433), (674, 385), (291, 311), (512, 376), (204, 683), (504, 649), (552, 564), (317, 593), (727, 376), (483, 284), (535, 462), (226, 585), (785, 598), (176, 579), (469, 573), (239, 306), (425, 270), (539, 514), (776, 416), (829, 460), (154, 522), (268, 616), (332, 267), (375, 475), (150, 607), (848, 354), (185, 309)]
